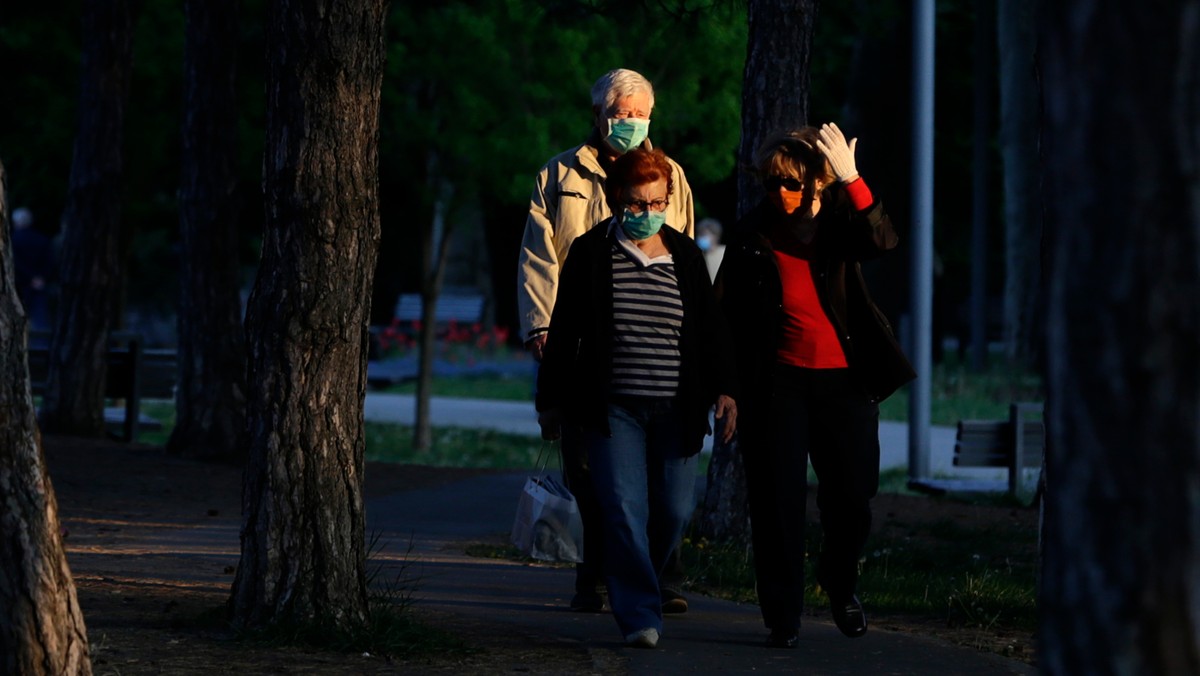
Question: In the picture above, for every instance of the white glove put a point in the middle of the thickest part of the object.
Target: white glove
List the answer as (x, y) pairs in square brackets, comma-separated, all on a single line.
[(839, 153)]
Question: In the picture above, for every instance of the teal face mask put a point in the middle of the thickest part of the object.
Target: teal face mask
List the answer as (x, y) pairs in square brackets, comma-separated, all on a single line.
[(644, 225), (625, 134)]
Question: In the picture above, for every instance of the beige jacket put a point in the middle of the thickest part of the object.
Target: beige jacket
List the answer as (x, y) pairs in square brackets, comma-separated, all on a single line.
[(567, 200)]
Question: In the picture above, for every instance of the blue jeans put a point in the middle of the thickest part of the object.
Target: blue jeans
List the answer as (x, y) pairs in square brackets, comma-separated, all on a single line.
[(644, 483)]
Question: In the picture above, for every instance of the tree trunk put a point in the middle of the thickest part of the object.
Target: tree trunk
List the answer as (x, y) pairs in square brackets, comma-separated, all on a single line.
[(91, 275), (303, 552), (725, 516), (1019, 105), (210, 398), (774, 97), (1122, 156), (41, 626), (775, 80), (435, 248)]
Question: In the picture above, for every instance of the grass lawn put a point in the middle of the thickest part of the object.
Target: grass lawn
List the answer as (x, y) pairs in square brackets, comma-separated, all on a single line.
[(956, 393)]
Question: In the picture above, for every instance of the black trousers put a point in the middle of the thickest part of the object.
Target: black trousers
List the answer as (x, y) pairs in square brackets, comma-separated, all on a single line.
[(589, 575), (823, 416)]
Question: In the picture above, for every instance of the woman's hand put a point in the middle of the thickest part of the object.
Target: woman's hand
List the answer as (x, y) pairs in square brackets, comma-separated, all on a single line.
[(839, 153), (537, 346), (551, 423), (727, 410)]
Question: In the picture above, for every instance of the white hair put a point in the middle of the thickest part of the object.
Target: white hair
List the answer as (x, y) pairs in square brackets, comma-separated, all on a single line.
[(617, 84)]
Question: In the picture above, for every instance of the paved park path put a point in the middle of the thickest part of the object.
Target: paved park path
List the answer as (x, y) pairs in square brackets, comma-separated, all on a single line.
[(713, 637)]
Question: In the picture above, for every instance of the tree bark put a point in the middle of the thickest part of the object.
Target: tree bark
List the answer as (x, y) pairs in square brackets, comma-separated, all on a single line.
[(91, 276), (435, 250), (41, 626), (1024, 326), (1120, 591), (775, 80), (774, 97), (210, 397), (303, 553)]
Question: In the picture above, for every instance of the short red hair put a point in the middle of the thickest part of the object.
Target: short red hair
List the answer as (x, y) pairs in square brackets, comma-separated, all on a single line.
[(634, 168)]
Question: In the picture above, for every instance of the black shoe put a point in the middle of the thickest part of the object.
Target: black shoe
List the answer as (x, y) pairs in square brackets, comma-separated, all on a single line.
[(673, 602), (587, 602), (789, 639), (849, 617)]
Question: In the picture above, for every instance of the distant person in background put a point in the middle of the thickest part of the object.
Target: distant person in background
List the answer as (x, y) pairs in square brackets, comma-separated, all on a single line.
[(815, 356), (708, 238), (33, 258), (567, 201)]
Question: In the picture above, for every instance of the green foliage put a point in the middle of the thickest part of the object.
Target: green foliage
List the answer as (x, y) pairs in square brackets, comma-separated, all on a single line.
[(514, 89), (971, 576), (498, 387), (977, 578), (39, 55), (957, 393), (477, 94), (721, 569), (452, 447)]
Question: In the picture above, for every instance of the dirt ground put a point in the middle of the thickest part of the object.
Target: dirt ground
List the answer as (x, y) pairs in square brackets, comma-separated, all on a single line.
[(151, 612)]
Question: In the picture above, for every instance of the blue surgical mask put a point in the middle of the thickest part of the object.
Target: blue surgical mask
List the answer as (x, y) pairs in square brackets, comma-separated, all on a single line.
[(704, 242), (627, 133), (644, 225)]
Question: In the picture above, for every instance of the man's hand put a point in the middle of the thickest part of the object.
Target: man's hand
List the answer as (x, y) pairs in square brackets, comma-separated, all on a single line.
[(839, 153), (537, 346), (727, 410), (551, 423)]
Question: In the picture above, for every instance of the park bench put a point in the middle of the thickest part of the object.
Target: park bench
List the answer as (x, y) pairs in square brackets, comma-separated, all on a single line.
[(1016, 444), (463, 308), (466, 309), (134, 373)]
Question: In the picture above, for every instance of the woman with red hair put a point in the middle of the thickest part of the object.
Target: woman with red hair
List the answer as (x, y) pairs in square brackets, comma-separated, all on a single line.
[(636, 357)]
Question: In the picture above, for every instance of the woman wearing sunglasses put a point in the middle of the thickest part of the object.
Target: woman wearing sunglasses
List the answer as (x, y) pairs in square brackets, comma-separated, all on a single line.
[(636, 356), (815, 356)]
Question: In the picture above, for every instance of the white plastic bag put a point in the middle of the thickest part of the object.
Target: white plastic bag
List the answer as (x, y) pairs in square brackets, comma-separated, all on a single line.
[(548, 526)]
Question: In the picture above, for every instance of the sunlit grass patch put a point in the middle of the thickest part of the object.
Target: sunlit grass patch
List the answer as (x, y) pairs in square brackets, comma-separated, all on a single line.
[(453, 447)]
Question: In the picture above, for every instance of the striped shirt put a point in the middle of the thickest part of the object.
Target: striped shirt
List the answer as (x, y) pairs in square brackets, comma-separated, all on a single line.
[(647, 317)]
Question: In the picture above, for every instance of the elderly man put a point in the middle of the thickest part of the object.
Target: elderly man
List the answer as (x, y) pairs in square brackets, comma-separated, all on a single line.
[(567, 201)]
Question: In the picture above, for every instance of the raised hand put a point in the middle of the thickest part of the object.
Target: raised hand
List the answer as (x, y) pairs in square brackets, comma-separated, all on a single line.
[(832, 143)]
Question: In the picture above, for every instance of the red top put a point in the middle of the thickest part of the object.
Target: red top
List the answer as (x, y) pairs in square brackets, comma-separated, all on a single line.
[(808, 338)]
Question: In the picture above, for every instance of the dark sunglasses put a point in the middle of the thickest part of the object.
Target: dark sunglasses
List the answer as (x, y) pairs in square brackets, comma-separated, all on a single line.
[(786, 182)]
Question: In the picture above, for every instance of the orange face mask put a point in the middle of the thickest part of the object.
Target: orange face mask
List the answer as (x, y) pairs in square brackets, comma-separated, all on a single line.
[(786, 201)]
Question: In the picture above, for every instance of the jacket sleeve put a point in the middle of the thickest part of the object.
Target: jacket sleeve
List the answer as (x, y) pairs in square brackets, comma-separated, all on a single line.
[(871, 231), (686, 205), (716, 340), (566, 327), (538, 266)]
